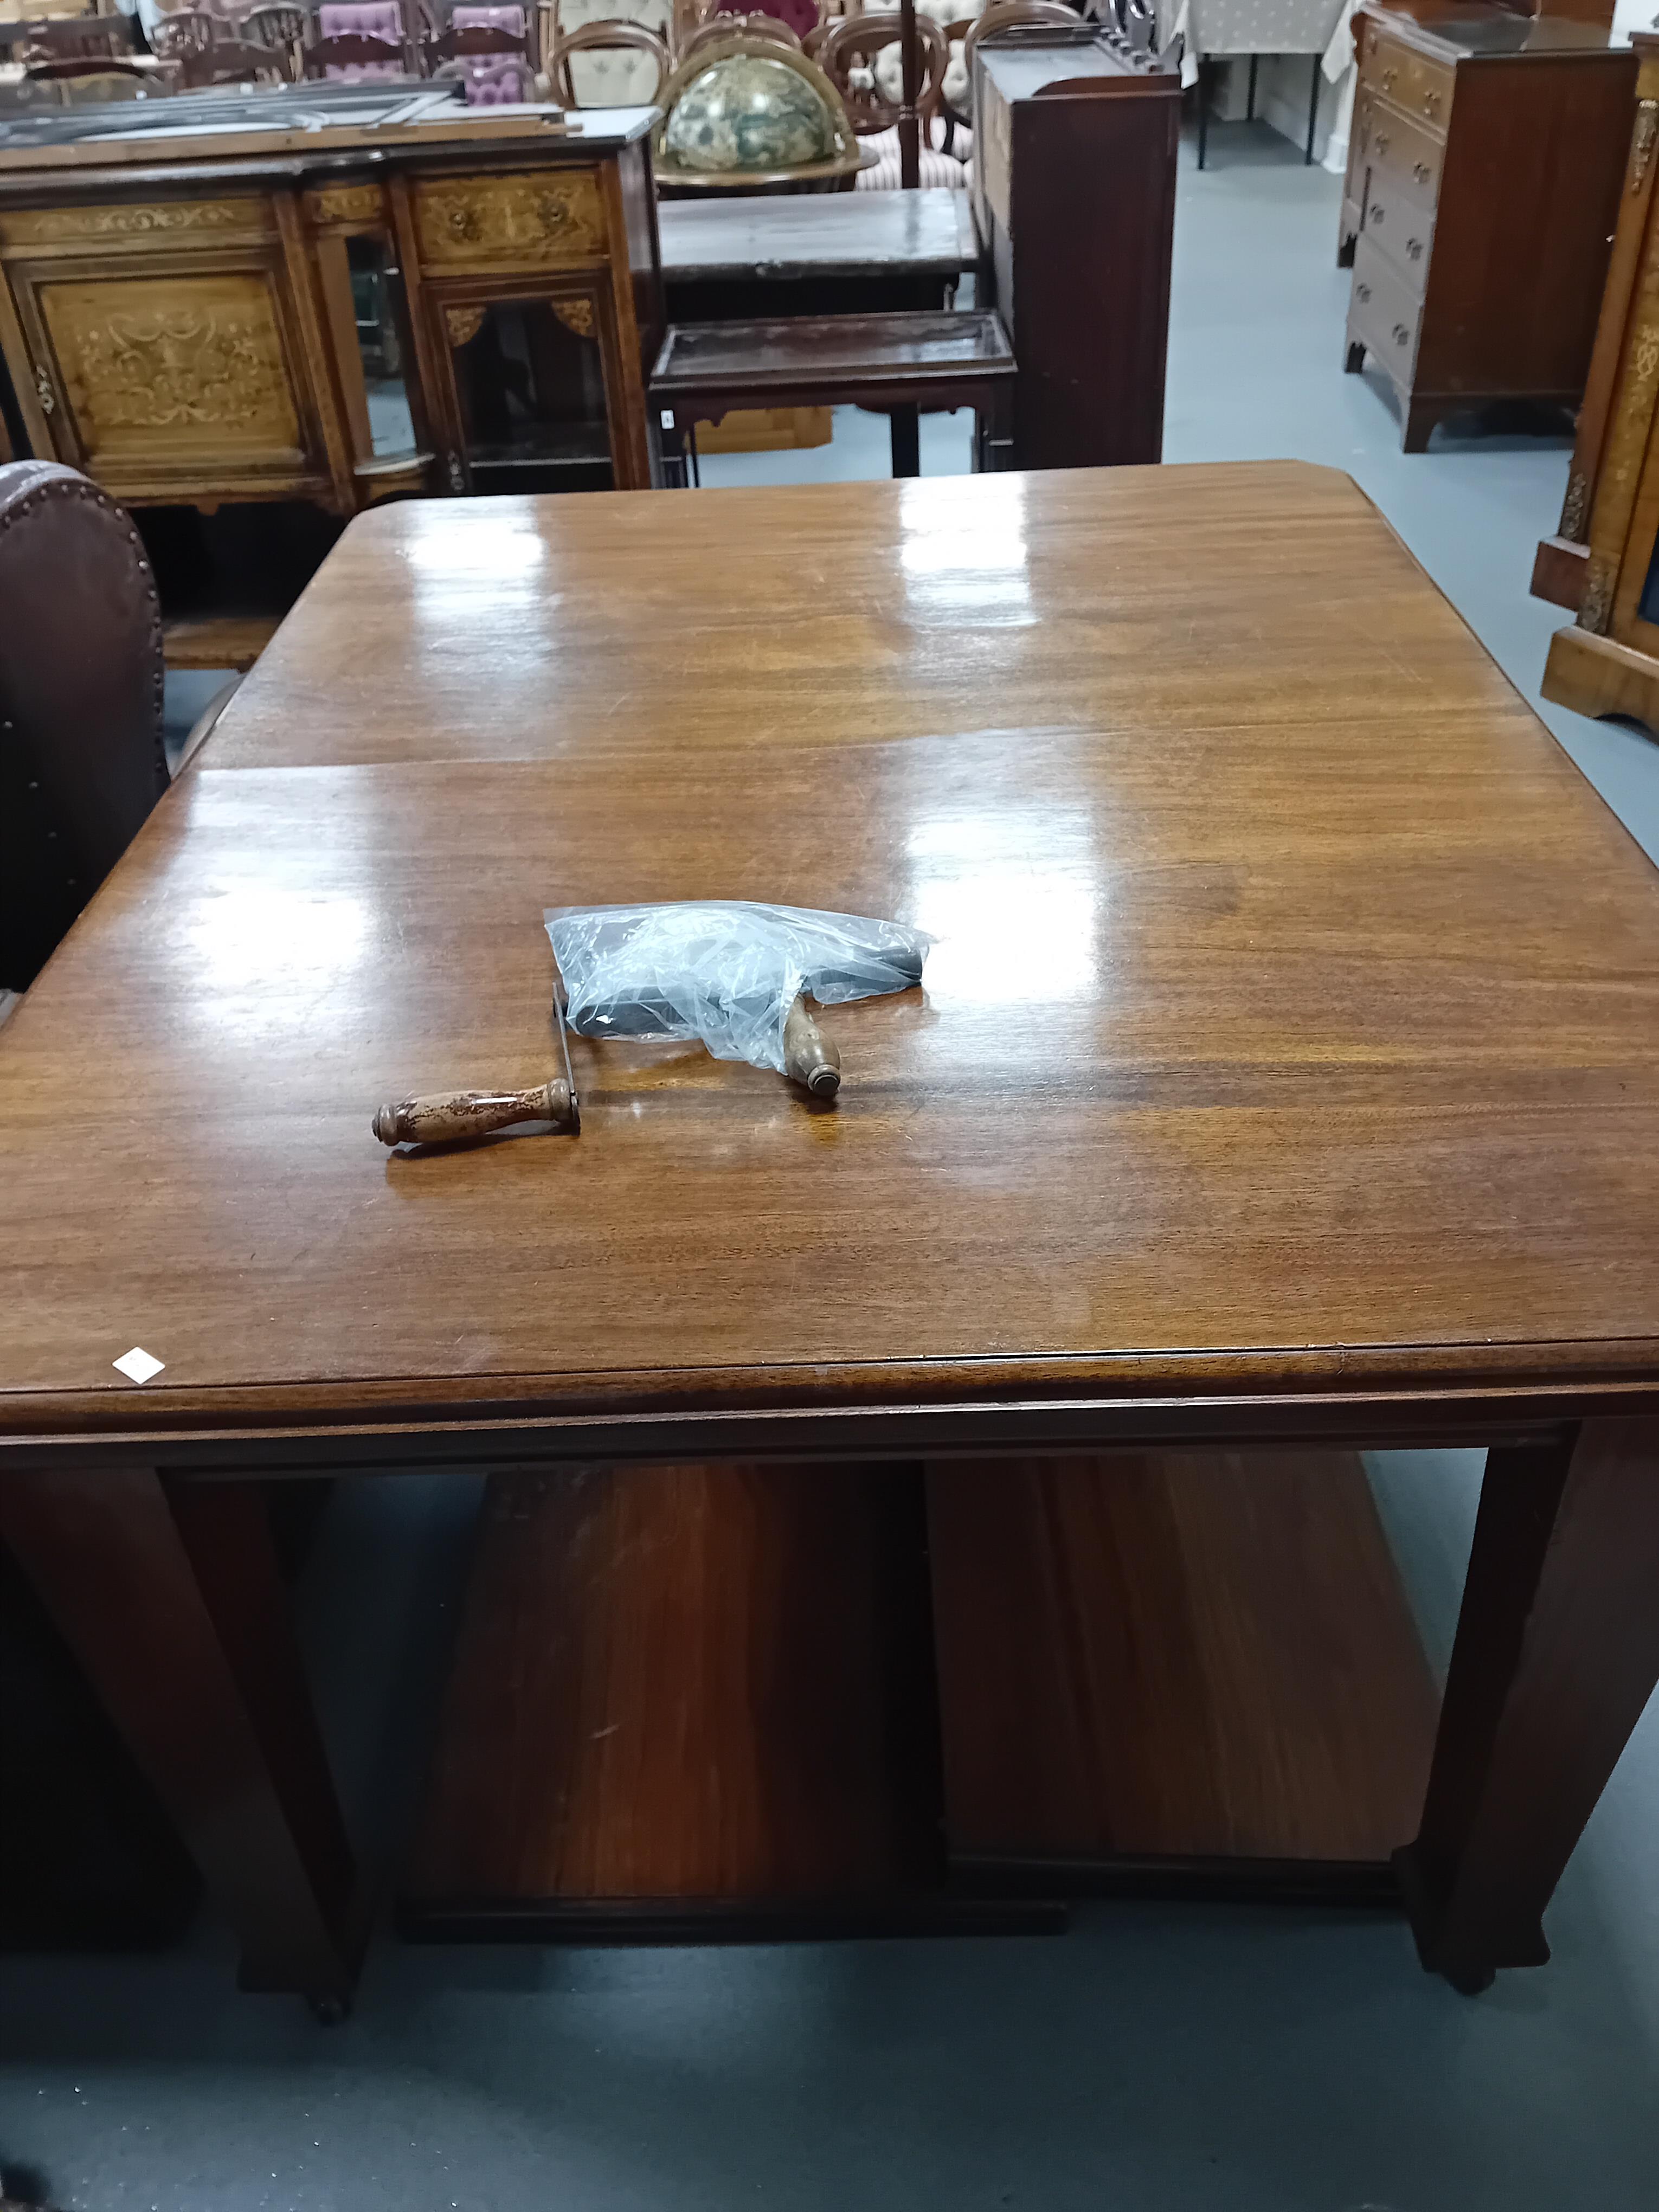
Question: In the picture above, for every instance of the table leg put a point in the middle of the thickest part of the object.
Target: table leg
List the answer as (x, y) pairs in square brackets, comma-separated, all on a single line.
[(171, 1600), (1202, 89), (1556, 1653), (1250, 98), (906, 435), (1313, 114), (993, 433)]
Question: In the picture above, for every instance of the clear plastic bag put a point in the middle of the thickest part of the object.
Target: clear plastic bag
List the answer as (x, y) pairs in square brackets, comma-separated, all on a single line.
[(721, 970)]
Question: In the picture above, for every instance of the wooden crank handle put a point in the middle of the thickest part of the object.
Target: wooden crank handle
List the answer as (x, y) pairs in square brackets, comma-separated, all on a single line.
[(451, 1117), (809, 1056)]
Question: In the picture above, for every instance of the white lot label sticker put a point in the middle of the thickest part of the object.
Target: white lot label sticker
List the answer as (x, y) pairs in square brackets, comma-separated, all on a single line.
[(139, 1364)]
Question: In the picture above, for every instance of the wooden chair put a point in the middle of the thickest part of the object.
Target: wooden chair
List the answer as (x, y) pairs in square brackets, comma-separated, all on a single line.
[(725, 26), (88, 82), (803, 17), (956, 94), (594, 36), (230, 61), (184, 31), (852, 54), (205, 52), (615, 78), (393, 20), (1009, 14), (281, 30), (189, 36), (71, 38), (848, 51), (492, 61), (354, 50)]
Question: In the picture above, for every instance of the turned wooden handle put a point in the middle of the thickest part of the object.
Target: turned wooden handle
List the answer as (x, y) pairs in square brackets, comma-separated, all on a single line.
[(809, 1056), (450, 1117)]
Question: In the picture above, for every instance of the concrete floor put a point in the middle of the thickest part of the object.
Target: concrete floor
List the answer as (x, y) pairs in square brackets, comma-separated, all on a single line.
[(1156, 2058)]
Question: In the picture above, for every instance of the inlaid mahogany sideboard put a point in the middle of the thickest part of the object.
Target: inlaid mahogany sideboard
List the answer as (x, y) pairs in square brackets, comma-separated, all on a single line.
[(357, 291)]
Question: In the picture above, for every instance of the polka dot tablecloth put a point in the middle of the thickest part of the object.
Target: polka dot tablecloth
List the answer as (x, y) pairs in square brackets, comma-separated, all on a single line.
[(1248, 27)]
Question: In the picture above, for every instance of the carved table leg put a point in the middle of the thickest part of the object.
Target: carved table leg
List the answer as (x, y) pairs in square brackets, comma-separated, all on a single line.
[(173, 1606), (1557, 1650)]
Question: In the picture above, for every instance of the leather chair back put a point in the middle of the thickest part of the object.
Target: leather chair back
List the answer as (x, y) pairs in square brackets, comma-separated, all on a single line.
[(81, 761)]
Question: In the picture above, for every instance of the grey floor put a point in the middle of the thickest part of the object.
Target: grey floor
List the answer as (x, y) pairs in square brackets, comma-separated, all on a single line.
[(1156, 2058)]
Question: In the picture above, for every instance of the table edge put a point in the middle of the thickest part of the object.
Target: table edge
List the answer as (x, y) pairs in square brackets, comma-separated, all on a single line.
[(1368, 1391)]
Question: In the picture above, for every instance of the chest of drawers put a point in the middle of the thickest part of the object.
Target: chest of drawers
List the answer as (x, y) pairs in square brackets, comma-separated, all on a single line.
[(1484, 172)]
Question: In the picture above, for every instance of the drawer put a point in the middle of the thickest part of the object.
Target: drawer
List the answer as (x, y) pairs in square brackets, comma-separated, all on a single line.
[(549, 219), (169, 223), (1400, 227), (1417, 85), (1409, 156), (1385, 311)]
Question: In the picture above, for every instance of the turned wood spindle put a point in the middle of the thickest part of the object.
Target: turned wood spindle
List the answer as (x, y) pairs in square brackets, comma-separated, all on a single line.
[(451, 1117), (810, 1057)]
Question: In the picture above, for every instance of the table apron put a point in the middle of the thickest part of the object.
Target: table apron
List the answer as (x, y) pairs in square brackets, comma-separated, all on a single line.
[(1379, 1422)]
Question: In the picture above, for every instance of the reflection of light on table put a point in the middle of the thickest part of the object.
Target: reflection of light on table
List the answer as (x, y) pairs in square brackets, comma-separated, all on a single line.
[(460, 552), (1015, 901), (474, 544), (280, 945), (963, 557)]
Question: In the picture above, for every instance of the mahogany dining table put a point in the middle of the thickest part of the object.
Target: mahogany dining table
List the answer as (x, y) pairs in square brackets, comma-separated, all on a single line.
[(1286, 1078)]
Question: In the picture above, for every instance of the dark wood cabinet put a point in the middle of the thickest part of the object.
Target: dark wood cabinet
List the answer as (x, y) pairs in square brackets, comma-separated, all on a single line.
[(1483, 174), (1076, 143)]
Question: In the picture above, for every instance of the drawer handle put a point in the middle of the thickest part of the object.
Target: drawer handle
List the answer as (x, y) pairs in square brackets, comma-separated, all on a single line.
[(1401, 334), (1382, 141), (1365, 293), (1414, 247), (43, 388), (1430, 101), (1389, 76), (1376, 216)]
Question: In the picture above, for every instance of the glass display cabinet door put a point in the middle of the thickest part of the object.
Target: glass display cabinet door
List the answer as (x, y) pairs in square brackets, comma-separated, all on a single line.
[(532, 377)]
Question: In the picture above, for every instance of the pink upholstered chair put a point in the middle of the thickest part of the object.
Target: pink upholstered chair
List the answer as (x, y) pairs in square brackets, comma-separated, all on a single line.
[(367, 19), (488, 47), (802, 16), (754, 25)]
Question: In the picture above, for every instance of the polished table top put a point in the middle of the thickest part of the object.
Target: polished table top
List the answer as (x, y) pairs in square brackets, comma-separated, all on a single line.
[(817, 234), (1294, 1022)]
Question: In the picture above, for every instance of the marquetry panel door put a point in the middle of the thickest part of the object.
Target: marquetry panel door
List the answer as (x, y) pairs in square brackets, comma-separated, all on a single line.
[(174, 351)]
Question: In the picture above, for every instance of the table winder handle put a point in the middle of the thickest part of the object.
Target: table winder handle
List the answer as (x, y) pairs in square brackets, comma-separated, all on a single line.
[(449, 1117), (809, 1056)]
